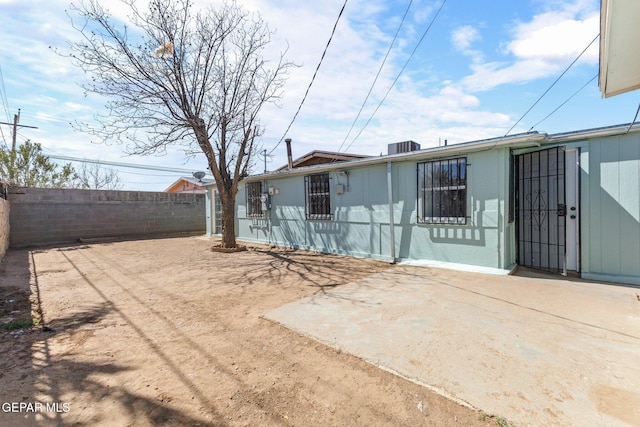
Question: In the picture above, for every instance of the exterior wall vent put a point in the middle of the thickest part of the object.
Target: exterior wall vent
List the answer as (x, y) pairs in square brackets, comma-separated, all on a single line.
[(403, 147)]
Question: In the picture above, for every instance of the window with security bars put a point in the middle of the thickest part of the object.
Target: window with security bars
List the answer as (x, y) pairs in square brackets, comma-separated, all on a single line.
[(318, 196), (254, 204), (442, 191)]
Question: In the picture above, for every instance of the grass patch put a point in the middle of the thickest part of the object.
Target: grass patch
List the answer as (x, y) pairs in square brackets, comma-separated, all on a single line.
[(18, 324), (500, 421)]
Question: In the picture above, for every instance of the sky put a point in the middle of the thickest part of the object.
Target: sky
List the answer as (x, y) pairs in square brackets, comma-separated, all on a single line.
[(467, 73)]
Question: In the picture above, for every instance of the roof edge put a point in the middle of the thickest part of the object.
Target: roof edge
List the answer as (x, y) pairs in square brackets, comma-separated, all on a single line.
[(524, 139), (613, 130)]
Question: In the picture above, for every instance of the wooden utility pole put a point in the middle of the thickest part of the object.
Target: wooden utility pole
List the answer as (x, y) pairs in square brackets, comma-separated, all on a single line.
[(16, 119)]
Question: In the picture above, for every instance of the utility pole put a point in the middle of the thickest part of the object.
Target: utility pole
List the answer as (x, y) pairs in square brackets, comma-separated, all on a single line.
[(16, 120), (264, 153)]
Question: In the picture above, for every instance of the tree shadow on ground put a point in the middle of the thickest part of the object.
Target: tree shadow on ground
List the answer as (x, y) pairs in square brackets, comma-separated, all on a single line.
[(30, 374), (314, 269), (325, 272)]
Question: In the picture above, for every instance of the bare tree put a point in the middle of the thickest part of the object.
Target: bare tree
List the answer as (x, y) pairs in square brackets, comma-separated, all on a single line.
[(96, 177), (178, 77)]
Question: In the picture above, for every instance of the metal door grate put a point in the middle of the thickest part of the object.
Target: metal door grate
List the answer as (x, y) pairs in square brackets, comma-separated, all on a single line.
[(541, 209)]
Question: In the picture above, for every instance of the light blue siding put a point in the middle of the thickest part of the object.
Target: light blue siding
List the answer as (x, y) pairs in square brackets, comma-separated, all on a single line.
[(360, 225), (611, 209)]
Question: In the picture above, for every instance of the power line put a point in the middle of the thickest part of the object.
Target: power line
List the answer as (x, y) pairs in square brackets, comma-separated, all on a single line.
[(167, 175), (399, 74), (14, 134), (4, 140), (634, 120), (5, 105), (562, 105), (377, 75), (120, 164), (115, 169), (3, 98), (553, 84), (312, 78)]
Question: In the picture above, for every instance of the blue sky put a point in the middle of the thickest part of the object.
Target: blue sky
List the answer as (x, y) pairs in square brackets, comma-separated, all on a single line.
[(480, 67)]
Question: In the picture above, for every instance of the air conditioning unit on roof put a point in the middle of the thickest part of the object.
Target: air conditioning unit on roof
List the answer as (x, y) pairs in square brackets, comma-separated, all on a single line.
[(403, 147)]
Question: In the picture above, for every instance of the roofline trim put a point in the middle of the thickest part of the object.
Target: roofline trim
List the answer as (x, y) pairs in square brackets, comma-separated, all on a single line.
[(595, 133), (527, 139)]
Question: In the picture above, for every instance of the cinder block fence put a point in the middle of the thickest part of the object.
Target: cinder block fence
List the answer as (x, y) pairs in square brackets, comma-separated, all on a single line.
[(46, 216), (4, 226)]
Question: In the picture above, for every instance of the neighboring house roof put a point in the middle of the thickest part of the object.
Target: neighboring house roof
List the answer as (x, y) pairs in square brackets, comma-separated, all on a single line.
[(523, 140), (318, 157), (190, 185), (619, 58)]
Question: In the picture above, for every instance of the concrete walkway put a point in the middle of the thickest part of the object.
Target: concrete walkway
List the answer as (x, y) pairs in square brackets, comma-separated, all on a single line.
[(538, 350)]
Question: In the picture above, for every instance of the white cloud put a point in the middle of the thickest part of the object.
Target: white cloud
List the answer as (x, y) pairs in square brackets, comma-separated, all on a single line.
[(463, 37), (540, 48), (420, 107), (553, 37)]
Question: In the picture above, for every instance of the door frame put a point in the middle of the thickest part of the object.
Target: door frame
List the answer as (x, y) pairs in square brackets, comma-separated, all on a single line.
[(572, 194), (526, 211), (216, 215)]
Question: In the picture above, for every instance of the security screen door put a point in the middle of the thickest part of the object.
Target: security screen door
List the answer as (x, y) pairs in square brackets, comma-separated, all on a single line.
[(541, 209)]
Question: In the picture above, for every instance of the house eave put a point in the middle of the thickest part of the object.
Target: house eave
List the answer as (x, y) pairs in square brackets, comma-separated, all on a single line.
[(602, 132), (619, 63)]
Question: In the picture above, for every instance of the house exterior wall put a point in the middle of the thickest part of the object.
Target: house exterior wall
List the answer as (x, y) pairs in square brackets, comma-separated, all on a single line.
[(609, 208), (360, 225), (46, 216), (610, 204)]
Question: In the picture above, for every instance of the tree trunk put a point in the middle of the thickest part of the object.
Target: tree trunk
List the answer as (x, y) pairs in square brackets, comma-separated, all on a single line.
[(228, 220)]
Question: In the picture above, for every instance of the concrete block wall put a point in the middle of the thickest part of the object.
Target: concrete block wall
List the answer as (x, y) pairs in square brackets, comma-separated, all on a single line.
[(4, 226), (46, 216)]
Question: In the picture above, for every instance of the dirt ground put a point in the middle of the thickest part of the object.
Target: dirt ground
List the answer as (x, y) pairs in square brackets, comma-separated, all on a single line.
[(166, 332)]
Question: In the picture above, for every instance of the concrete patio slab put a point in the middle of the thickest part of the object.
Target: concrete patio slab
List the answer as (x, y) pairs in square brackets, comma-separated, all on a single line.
[(539, 350)]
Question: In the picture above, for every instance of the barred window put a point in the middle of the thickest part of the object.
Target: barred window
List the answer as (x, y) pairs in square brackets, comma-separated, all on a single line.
[(442, 191), (254, 205), (318, 196)]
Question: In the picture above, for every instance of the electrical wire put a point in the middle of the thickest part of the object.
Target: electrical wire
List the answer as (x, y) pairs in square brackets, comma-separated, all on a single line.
[(377, 75), (562, 105), (58, 156), (4, 140), (3, 98), (120, 164), (634, 120), (5, 105), (553, 84), (312, 78), (399, 74), (167, 175), (116, 169)]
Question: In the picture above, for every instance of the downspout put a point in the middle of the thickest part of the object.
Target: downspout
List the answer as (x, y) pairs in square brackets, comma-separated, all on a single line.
[(391, 223)]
